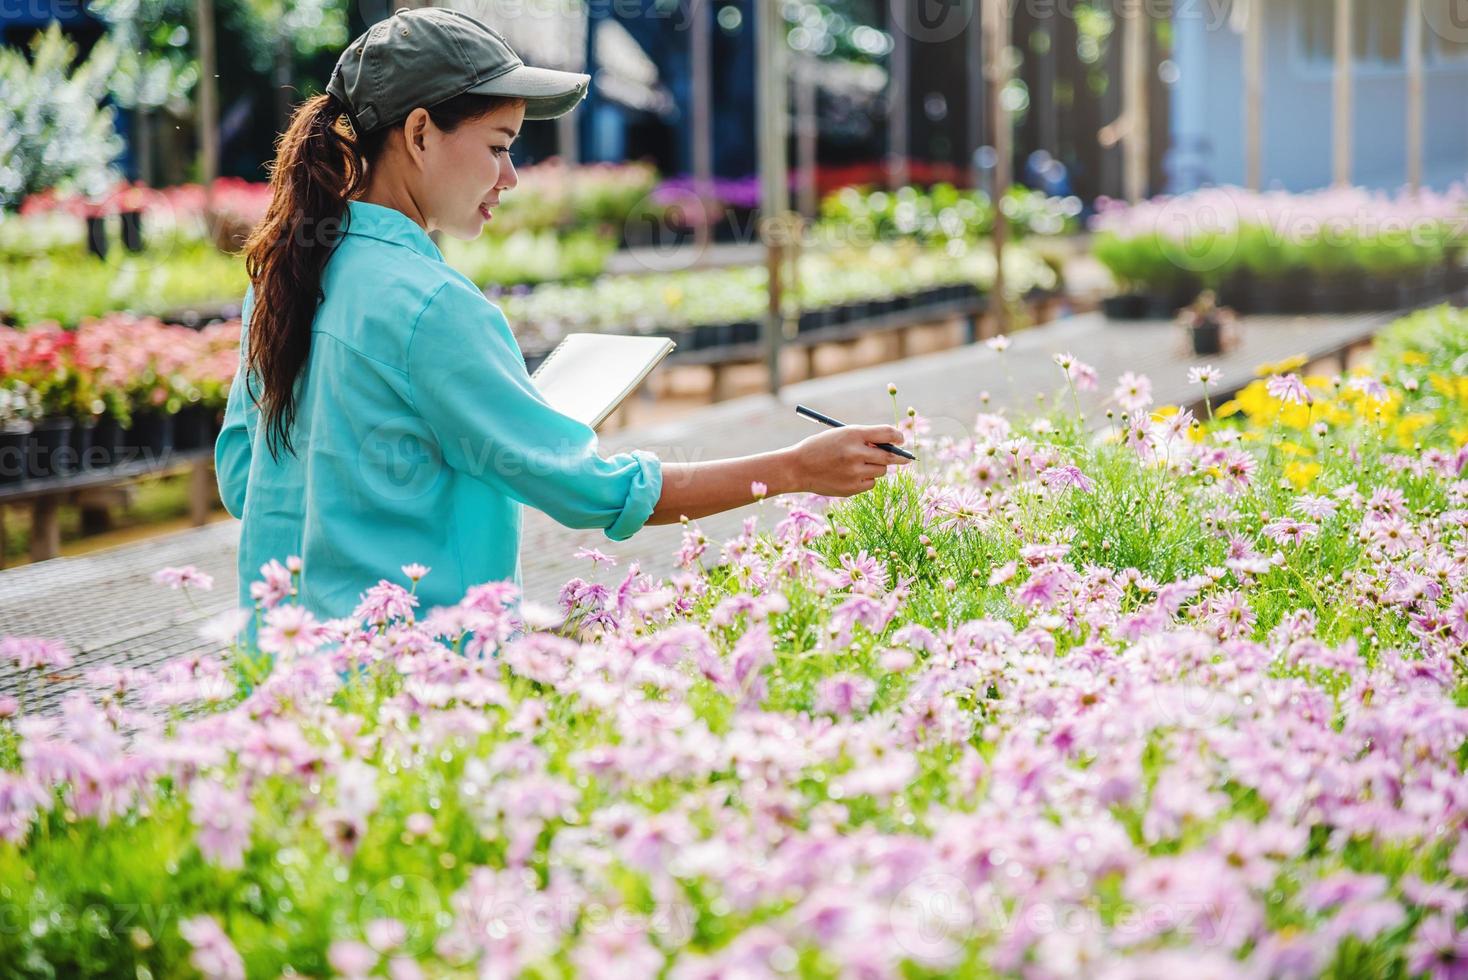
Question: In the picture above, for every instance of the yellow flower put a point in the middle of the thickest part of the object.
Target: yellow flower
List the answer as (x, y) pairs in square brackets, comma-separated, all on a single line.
[(1301, 474), (1414, 357), (1283, 367)]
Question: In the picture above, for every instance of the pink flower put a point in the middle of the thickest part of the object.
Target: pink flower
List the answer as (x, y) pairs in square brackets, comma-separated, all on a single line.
[(33, 652), (183, 577), (223, 816), (1066, 477), (275, 586), (290, 631), (1205, 375), (214, 955), (1287, 530), (351, 959), (844, 694), (1133, 391), (759, 490), (414, 573), (385, 602), (1438, 950), (862, 573), (1288, 388), (597, 557)]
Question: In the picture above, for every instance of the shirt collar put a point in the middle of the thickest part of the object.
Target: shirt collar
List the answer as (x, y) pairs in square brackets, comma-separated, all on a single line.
[(389, 225)]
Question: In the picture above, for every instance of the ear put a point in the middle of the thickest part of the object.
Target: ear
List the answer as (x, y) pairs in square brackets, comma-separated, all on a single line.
[(418, 130)]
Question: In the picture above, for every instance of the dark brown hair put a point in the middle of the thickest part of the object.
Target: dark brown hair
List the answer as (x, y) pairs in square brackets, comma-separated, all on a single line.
[(320, 164)]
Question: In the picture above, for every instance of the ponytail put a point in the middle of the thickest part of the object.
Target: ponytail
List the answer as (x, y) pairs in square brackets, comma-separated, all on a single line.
[(319, 166)]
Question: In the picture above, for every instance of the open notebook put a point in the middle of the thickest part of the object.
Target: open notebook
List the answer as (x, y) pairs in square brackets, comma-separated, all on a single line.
[(589, 374)]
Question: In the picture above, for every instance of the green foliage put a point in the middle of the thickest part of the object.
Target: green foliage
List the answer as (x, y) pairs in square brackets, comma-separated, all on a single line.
[(53, 130)]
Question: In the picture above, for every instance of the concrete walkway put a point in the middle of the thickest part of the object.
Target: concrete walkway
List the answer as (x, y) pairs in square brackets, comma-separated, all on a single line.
[(107, 610)]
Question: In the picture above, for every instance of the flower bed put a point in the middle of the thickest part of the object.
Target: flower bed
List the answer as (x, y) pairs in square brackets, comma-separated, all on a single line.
[(1186, 701), (714, 307), (112, 391), (1334, 251)]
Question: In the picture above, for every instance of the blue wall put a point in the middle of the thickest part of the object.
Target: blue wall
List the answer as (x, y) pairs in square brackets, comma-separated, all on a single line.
[(1208, 116)]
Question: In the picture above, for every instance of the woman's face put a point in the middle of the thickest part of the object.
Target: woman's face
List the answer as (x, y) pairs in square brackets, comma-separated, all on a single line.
[(462, 173)]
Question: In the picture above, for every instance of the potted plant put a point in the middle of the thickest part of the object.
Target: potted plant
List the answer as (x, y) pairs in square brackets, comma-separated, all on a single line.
[(1208, 324), (20, 407)]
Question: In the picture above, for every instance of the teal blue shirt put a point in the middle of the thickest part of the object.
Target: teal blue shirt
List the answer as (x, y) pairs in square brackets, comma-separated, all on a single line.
[(418, 436)]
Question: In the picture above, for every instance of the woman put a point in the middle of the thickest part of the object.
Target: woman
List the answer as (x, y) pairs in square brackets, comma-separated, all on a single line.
[(382, 412)]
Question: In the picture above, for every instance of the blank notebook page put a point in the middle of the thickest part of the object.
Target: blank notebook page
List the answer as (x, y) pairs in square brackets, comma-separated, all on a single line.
[(589, 374)]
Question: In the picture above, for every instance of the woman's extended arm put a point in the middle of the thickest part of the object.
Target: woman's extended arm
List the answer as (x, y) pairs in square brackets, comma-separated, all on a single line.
[(837, 463)]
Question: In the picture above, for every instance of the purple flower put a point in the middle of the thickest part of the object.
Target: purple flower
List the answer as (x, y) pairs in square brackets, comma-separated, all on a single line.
[(844, 694), (183, 577), (33, 652), (385, 602), (1066, 477), (213, 954), (1133, 392), (223, 816), (1438, 949), (1288, 388)]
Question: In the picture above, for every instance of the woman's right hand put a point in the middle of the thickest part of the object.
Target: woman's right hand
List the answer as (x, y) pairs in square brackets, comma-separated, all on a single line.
[(845, 461)]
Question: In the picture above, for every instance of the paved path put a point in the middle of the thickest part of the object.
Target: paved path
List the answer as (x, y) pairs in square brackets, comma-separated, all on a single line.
[(107, 609)]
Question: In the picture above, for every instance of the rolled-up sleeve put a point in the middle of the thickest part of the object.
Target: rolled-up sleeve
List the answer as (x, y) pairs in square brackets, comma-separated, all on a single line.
[(467, 379), (232, 450)]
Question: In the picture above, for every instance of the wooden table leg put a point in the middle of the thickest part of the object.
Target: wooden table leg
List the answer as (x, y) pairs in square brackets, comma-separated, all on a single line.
[(202, 493), (45, 528)]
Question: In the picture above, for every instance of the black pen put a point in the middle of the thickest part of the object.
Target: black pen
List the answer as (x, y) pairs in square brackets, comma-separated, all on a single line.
[(811, 413)]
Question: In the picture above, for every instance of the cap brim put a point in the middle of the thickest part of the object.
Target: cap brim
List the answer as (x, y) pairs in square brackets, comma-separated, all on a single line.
[(547, 92)]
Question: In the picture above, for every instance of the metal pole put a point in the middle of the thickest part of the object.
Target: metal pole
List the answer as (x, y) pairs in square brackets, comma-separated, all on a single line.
[(1135, 147), (1343, 108), (807, 135), (1414, 95), (701, 68), (899, 71), (774, 108), (208, 107), (1254, 95), (996, 31), (975, 103)]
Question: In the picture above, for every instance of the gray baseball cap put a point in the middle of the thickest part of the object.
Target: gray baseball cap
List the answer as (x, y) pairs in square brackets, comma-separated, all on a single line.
[(422, 57)]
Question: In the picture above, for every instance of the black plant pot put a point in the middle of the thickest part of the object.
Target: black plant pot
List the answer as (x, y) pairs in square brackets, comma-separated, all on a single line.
[(745, 332), (192, 428), (1207, 338), (1455, 275), (48, 452), (13, 443), (82, 431), (1237, 292), (812, 320), (1164, 303), (132, 230), (709, 335), (1334, 294), (97, 236), (106, 449), (1268, 295), (151, 435), (1382, 292), (1126, 306)]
